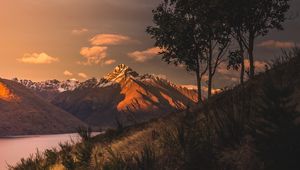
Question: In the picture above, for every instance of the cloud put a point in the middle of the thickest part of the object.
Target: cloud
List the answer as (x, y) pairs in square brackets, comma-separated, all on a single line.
[(204, 88), (213, 91), (68, 73), (234, 76), (79, 31), (82, 75), (161, 76), (259, 67), (109, 62), (142, 56), (37, 58), (277, 44), (109, 39), (93, 55), (190, 87)]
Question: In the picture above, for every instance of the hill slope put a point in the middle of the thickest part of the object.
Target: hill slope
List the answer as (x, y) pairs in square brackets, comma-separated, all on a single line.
[(22, 113)]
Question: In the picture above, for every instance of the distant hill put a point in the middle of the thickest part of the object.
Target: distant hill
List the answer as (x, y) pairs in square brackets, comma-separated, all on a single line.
[(22, 112), (125, 95)]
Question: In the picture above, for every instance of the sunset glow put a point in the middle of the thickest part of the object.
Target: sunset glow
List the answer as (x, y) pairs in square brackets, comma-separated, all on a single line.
[(40, 40)]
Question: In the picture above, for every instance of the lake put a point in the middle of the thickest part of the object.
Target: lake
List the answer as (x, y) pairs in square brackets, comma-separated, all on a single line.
[(12, 149)]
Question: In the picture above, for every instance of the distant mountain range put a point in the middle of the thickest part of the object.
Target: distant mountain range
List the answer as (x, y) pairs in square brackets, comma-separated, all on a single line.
[(121, 95), (50, 88)]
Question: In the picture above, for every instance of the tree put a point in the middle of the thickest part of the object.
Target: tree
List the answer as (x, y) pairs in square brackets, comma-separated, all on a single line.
[(192, 33), (235, 19), (216, 34), (178, 34), (251, 19)]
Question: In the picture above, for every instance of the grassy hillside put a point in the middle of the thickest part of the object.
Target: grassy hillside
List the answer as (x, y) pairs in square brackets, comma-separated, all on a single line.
[(249, 127)]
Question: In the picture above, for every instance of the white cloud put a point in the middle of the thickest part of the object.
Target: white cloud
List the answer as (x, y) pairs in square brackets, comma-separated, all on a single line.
[(162, 76), (234, 76), (190, 87), (277, 44), (109, 62), (259, 67), (79, 31), (82, 75), (68, 73), (109, 39), (37, 58), (93, 55), (142, 56), (204, 88)]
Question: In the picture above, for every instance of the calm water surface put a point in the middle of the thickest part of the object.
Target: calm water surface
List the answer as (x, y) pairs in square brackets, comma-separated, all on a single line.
[(12, 149)]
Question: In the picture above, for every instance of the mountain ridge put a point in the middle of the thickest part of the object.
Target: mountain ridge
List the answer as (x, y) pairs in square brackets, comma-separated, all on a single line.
[(50, 88), (124, 94)]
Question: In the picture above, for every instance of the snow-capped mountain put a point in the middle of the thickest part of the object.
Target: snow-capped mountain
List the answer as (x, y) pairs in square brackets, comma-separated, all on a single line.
[(50, 85), (50, 88), (121, 93), (126, 94)]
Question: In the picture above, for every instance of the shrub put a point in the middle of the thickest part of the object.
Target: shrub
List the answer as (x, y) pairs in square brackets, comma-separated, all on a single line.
[(34, 162), (66, 156), (278, 139), (188, 144)]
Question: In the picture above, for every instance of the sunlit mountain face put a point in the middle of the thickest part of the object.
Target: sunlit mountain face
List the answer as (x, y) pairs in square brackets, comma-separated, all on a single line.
[(123, 93), (6, 94)]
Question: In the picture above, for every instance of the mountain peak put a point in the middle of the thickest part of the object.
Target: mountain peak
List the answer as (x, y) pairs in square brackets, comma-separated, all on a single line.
[(121, 67), (121, 72)]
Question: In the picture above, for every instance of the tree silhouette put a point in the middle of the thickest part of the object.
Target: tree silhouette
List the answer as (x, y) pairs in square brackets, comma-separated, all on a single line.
[(192, 33), (178, 34), (250, 19), (216, 34)]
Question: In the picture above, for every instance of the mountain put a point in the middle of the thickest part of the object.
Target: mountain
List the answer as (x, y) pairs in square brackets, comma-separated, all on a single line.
[(23, 112), (125, 95), (50, 88)]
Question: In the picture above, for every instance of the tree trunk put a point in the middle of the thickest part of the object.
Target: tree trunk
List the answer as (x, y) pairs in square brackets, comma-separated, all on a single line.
[(209, 84), (210, 70), (199, 86), (242, 62), (251, 56), (242, 69)]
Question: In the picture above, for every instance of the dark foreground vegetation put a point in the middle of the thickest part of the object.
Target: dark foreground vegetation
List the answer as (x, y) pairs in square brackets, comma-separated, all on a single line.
[(250, 127)]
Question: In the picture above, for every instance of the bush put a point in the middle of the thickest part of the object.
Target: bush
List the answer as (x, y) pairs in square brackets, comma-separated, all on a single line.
[(145, 160), (34, 162), (188, 144), (278, 139), (51, 157), (66, 157)]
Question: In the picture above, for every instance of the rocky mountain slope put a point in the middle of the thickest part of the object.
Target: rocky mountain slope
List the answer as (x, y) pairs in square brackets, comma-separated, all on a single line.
[(22, 112), (124, 95)]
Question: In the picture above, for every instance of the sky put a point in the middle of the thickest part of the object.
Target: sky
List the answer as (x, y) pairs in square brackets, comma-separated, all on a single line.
[(81, 39)]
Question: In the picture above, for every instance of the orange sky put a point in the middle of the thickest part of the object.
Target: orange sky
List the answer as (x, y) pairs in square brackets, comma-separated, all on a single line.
[(63, 39)]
